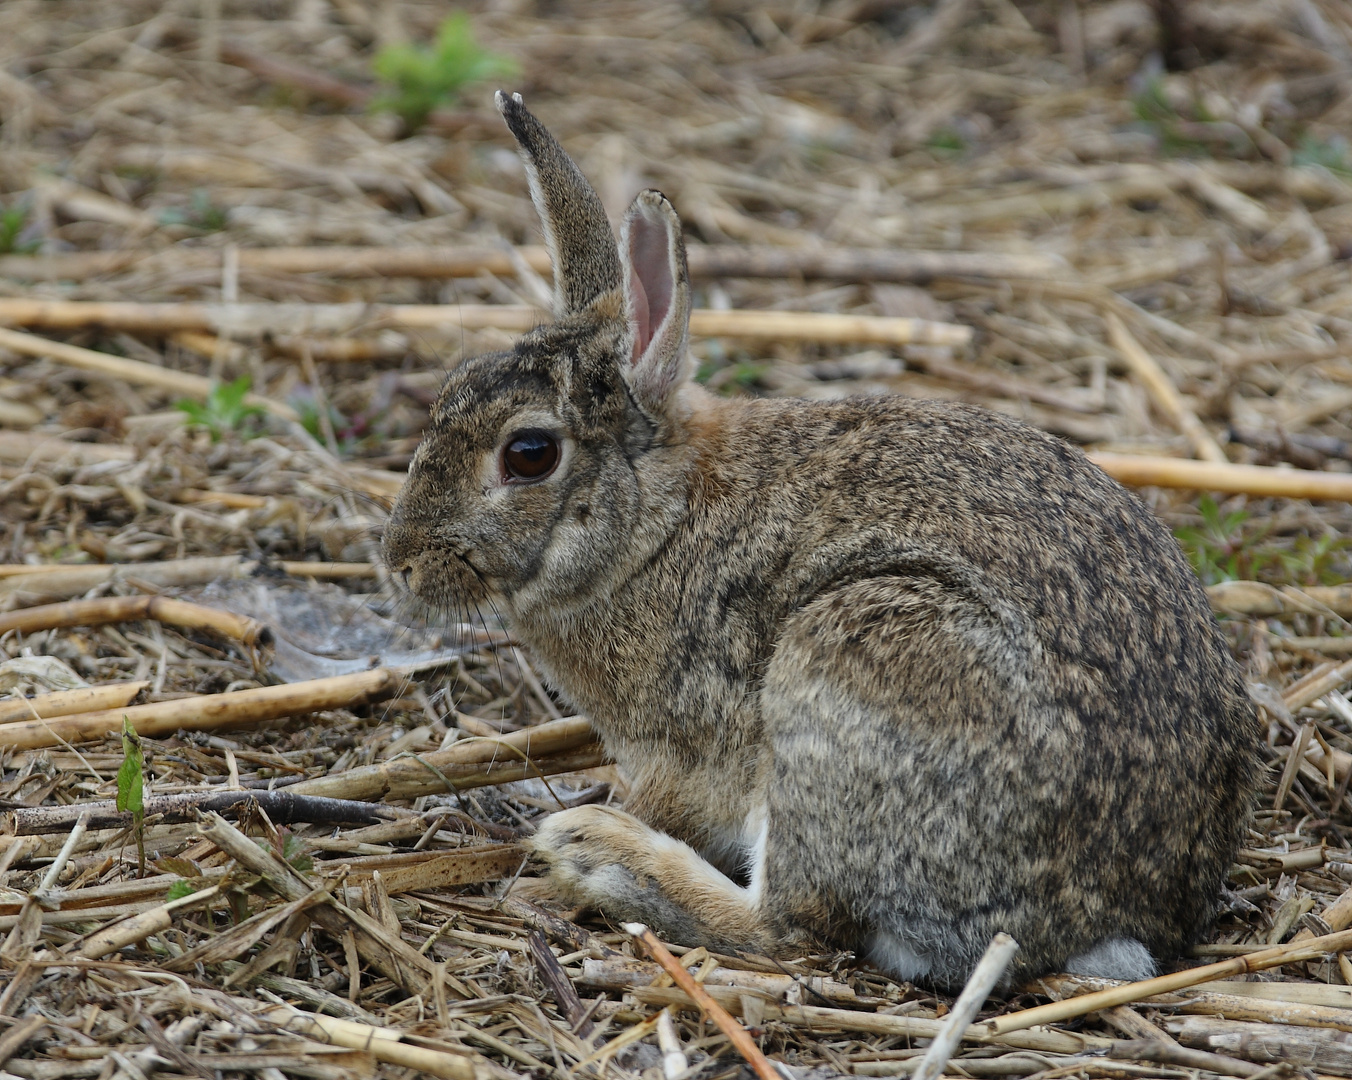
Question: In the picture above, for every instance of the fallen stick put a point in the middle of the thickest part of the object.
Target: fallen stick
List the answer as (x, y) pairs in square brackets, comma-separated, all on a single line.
[(66, 702), (384, 1044), (111, 609), (736, 1034), (250, 320), (408, 777), (1257, 598), (135, 372), (818, 1018), (1211, 476), (324, 350), (621, 973), (139, 927), (284, 807), (25, 448), (706, 261), (1171, 1053), (1162, 391), (53, 582), (1265, 1002), (310, 80), (1268, 1044), (985, 975), (210, 711), (1163, 984)]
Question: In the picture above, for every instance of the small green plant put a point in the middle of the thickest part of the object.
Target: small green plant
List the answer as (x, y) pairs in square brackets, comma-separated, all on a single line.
[(1311, 560), (13, 221), (131, 789), (1219, 548), (1188, 128), (291, 851), (178, 890), (422, 78), (201, 214), (1231, 547), (224, 410), (343, 430), (946, 143)]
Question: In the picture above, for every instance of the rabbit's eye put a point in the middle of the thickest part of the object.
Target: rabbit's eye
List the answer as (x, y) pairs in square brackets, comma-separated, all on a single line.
[(530, 455)]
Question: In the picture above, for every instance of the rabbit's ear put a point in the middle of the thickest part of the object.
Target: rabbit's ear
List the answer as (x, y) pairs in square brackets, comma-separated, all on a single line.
[(657, 291), (577, 231)]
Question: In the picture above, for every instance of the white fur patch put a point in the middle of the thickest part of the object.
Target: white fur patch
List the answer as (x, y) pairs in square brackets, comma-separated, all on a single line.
[(889, 953), (1115, 958), (755, 862)]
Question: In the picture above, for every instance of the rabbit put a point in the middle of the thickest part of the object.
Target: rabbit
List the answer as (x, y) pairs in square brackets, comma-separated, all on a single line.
[(885, 675)]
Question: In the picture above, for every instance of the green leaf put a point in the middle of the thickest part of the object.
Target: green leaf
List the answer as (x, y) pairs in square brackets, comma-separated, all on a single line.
[(224, 410), (131, 774), (420, 78), (179, 889)]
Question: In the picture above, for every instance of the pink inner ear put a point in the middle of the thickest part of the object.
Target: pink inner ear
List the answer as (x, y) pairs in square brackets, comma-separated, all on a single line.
[(650, 283)]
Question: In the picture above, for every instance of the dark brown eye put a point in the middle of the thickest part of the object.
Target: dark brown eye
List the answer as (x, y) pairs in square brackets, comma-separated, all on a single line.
[(530, 455)]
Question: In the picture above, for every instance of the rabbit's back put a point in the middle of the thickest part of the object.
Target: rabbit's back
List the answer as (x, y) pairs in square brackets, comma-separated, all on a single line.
[(1087, 748)]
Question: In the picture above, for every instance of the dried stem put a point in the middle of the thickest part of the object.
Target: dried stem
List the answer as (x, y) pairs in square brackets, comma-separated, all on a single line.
[(113, 609), (731, 1028), (1121, 995), (210, 711), (988, 971)]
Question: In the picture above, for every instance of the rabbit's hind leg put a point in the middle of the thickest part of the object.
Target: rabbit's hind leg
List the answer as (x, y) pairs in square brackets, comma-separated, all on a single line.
[(913, 768), (610, 860)]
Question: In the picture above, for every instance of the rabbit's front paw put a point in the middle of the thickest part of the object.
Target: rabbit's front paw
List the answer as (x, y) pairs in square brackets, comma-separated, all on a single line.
[(611, 861), (597, 855)]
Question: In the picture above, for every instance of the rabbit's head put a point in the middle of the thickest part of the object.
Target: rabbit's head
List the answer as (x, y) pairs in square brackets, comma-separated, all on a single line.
[(541, 467)]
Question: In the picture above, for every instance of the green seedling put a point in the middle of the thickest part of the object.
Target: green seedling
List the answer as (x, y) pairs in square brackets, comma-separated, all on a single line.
[(291, 852), (421, 78), (131, 789), (946, 143), (178, 890), (1219, 548), (201, 214), (224, 411), (1229, 547), (13, 221)]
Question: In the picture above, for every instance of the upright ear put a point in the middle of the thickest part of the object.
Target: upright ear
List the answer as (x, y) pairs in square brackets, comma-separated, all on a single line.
[(577, 231), (657, 291)]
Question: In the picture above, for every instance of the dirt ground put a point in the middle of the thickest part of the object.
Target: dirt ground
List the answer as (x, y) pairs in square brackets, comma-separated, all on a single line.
[(1143, 214)]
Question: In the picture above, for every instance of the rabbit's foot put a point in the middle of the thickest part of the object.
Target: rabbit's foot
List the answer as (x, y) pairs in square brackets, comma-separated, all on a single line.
[(1115, 958), (610, 860)]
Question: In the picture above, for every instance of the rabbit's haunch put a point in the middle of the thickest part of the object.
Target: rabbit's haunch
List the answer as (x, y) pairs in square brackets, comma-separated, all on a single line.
[(883, 674)]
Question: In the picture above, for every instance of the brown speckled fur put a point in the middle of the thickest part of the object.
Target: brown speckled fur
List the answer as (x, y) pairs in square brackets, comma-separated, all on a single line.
[(967, 682)]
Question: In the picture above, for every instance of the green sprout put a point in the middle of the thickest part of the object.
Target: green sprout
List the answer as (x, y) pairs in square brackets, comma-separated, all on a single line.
[(13, 221), (1218, 549), (178, 890), (423, 78), (201, 214), (131, 788), (1229, 547), (225, 410), (946, 143)]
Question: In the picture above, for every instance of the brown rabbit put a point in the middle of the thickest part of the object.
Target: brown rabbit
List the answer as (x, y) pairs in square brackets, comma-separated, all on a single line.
[(887, 674)]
